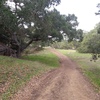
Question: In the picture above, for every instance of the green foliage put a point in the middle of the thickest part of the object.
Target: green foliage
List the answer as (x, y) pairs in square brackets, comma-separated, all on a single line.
[(70, 28), (66, 45), (79, 35), (7, 23), (23, 13), (98, 13), (90, 44), (61, 24), (74, 44), (98, 28), (30, 20), (60, 45)]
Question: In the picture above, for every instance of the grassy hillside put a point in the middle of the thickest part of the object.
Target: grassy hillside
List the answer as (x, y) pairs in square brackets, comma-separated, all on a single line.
[(90, 68), (14, 73)]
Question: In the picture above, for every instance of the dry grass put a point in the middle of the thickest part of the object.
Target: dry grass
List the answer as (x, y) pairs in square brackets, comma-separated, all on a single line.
[(15, 73), (90, 68)]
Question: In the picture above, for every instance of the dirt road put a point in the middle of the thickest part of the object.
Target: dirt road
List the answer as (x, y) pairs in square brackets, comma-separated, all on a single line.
[(64, 83)]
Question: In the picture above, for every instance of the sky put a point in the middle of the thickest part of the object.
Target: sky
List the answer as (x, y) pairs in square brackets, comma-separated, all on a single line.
[(83, 9)]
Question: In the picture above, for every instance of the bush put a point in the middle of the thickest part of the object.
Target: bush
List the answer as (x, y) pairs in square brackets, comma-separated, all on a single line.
[(82, 49), (74, 44), (61, 45), (66, 45), (90, 44)]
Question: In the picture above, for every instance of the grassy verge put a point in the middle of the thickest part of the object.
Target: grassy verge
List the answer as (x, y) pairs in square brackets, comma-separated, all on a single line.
[(44, 57), (14, 73), (90, 68)]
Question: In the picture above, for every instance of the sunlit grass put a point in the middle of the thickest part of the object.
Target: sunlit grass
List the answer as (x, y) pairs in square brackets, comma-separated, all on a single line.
[(45, 57), (90, 68)]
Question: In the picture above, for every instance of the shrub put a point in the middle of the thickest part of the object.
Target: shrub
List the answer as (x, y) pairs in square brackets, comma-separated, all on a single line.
[(66, 45), (90, 44)]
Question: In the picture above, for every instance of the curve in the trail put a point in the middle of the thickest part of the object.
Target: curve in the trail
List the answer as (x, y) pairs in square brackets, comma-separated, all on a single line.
[(64, 83)]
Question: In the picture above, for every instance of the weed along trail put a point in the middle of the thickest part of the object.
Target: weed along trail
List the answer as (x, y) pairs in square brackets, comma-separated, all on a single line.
[(63, 83)]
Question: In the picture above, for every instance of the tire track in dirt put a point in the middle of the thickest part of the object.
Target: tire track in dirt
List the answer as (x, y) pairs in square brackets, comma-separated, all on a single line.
[(64, 83)]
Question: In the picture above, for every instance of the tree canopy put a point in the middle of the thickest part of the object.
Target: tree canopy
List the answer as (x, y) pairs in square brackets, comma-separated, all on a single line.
[(25, 21), (98, 6)]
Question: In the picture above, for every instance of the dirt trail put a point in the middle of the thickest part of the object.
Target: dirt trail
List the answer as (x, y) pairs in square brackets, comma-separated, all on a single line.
[(64, 83)]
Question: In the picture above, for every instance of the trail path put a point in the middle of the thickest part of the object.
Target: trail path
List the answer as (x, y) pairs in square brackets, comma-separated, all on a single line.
[(64, 83)]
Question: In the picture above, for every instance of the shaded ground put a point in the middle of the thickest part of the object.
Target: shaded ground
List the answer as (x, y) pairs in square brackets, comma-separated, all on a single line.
[(64, 83)]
